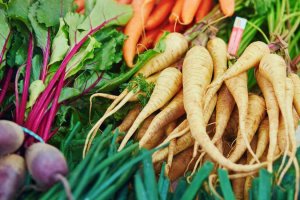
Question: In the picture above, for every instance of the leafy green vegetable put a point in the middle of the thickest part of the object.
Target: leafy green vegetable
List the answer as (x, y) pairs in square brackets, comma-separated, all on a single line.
[(35, 89), (4, 29), (49, 11), (17, 52), (60, 44), (86, 52), (39, 29), (68, 93), (104, 10), (110, 52), (36, 67), (112, 84), (18, 10), (73, 20)]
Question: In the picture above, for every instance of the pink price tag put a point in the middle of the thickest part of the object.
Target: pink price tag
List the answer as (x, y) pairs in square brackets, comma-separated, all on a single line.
[(236, 35)]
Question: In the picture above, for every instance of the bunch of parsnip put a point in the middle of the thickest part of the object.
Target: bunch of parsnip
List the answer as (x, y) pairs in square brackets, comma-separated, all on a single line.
[(206, 112)]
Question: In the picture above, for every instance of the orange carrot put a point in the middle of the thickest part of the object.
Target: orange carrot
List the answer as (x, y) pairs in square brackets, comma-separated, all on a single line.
[(203, 10), (189, 10), (176, 11), (227, 7), (80, 4), (147, 41), (169, 28), (134, 28), (159, 14), (125, 1)]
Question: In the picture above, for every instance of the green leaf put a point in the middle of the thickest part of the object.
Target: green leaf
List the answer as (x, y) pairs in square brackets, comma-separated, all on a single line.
[(68, 93), (201, 175), (114, 83), (40, 30), (49, 11), (225, 185), (35, 89), (4, 30), (18, 10), (262, 7), (85, 80), (110, 52), (73, 20), (88, 6), (104, 10), (60, 44), (86, 52), (36, 67), (17, 52)]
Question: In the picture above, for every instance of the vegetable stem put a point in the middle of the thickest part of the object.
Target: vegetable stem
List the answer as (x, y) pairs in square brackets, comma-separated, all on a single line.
[(20, 119), (46, 53), (4, 47), (60, 73), (5, 84)]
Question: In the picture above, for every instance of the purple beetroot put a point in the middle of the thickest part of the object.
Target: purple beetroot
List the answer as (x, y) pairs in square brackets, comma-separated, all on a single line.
[(12, 176), (47, 166), (11, 137)]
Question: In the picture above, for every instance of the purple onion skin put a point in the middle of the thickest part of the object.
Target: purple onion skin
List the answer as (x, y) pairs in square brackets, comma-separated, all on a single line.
[(44, 163), (11, 137), (12, 176)]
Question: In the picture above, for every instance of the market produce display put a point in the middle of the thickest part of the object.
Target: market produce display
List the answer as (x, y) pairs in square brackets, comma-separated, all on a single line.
[(149, 99)]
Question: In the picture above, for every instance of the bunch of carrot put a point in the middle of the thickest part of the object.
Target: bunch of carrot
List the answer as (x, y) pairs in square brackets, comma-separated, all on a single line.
[(205, 111), (151, 18)]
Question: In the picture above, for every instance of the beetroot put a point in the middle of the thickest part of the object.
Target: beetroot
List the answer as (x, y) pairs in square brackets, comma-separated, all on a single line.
[(12, 176), (45, 163), (11, 137)]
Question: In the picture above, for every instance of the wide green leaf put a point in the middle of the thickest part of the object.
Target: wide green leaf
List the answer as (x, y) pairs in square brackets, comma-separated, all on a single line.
[(40, 30), (105, 10), (18, 10), (49, 11), (60, 44), (86, 52)]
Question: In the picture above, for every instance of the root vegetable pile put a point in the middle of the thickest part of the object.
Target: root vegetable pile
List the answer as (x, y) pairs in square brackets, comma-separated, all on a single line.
[(250, 130)]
